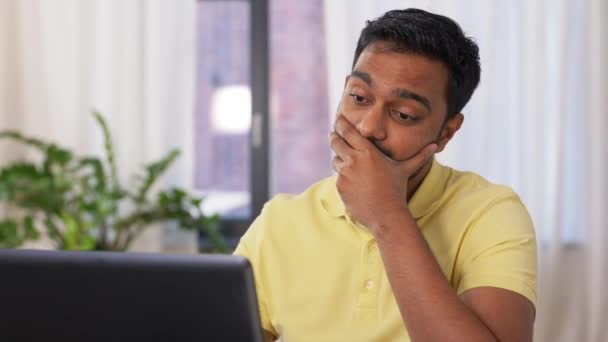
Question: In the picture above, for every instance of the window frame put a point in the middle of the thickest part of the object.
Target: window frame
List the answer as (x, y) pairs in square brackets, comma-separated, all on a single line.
[(259, 141)]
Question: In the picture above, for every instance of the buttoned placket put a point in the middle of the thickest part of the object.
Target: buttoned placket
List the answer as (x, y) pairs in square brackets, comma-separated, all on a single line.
[(369, 276)]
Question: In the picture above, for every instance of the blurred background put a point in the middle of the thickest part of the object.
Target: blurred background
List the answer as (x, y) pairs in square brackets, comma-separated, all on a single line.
[(247, 90)]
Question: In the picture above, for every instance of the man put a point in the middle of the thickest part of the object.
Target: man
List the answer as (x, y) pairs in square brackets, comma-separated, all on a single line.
[(396, 246)]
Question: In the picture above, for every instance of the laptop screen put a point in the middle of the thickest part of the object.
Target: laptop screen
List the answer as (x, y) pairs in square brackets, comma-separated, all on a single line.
[(105, 296)]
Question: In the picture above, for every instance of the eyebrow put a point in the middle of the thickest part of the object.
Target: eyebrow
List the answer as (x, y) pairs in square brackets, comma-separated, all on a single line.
[(400, 92)]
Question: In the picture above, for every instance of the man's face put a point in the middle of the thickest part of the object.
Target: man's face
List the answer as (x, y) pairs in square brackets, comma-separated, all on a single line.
[(398, 101)]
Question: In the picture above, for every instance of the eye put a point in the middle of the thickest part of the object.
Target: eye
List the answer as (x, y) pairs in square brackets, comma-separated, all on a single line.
[(404, 117), (358, 98)]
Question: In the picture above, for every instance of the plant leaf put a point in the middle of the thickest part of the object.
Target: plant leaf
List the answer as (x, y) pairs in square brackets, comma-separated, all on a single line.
[(9, 235), (109, 149), (30, 231), (14, 135), (154, 171)]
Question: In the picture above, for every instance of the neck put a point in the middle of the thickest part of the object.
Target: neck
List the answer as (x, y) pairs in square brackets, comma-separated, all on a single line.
[(416, 179)]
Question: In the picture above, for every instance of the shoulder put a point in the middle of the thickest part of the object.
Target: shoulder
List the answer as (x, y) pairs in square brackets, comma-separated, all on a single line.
[(473, 209), (470, 193), (467, 184), (497, 242)]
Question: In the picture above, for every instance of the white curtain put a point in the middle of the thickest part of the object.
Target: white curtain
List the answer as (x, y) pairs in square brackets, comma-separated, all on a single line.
[(536, 123), (132, 60)]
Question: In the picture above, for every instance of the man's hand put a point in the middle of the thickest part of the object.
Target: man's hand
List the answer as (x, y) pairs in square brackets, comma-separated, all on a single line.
[(369, 182)]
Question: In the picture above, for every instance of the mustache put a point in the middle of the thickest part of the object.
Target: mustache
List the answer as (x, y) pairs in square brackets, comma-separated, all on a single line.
[(382, 149)]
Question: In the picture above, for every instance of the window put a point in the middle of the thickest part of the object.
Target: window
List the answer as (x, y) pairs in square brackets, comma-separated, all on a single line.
[(243, 158)]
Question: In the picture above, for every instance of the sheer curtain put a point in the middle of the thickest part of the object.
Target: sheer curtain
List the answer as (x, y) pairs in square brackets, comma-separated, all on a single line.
[(131, 60), (536, 123)]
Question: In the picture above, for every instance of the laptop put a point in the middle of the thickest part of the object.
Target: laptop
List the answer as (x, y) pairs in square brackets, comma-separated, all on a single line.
[(106, 296)]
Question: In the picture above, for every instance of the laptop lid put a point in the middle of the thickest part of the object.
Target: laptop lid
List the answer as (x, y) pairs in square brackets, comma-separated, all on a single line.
[(105, 296)]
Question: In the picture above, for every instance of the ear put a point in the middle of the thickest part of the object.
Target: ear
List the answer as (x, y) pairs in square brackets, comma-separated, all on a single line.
[(450, 128)]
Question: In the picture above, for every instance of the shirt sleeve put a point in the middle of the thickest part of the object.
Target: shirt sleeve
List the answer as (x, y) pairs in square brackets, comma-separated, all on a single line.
[(499, 250), (250, 247)]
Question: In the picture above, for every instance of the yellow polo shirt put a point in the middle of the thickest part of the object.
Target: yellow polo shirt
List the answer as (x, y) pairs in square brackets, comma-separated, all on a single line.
[(319, 277)]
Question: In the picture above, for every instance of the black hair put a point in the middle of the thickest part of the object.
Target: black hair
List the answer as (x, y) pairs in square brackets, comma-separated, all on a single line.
[(434, 36)]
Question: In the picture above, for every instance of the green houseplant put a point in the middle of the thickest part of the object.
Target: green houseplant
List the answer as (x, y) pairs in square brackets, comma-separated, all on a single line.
[(80, 204)]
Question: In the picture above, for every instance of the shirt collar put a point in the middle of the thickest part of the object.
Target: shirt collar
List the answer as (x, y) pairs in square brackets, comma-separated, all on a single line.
[(424, 200), (330, 199)]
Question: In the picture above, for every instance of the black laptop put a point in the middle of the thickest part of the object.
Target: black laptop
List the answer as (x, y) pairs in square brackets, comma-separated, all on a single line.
[(103, 296)]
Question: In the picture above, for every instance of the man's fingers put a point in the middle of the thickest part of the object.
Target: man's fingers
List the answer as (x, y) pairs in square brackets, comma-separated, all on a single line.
[(338, 145), (337, 163), (350, 134), (415, 162)]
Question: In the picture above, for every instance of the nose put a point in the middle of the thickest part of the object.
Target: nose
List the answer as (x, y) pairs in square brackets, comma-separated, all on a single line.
[(371, 124)]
